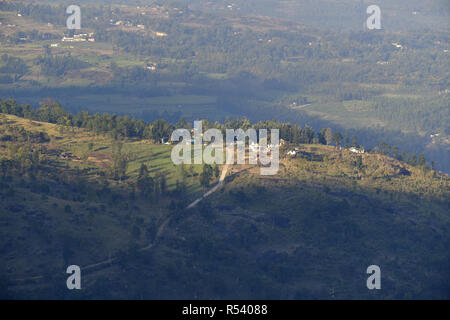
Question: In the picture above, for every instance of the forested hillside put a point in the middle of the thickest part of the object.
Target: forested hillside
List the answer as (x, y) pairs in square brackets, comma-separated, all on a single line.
[(116, 205)]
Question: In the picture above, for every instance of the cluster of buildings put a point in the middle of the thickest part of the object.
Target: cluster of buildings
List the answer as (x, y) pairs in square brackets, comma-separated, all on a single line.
[(129, 24), (293, 152), (160, 34), (296, 151), (397, 45), (82, 37), (356, 150), (151, 66), (255, 147)]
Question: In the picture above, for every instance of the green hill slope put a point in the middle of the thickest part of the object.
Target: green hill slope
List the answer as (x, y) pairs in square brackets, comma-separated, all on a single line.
[(309, 232)]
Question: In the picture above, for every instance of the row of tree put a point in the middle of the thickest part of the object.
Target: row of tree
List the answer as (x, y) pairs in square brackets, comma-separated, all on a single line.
[(126, 127)]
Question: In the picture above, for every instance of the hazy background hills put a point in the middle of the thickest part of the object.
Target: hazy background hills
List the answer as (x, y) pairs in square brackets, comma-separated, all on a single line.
[(345, 15)]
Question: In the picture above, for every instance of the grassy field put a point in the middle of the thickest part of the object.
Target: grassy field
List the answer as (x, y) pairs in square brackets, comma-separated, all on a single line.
[(76, 141)]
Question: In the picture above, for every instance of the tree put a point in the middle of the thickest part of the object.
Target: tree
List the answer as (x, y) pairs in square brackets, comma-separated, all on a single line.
[(48, 50), (321, 136), (51, 111), (146, 186), (433, 165), (216, 171), (182, 124), (385, 148), (35, 159), (206, 175), (413, 160), (354, 142), (359, 163), (395, 152), (421, 161), (328, 135), (143, 171), (192, 172), (337, 138), (163, 184), (160, 129), (120, 166), (5, 164), (181, 185), (117, 147)]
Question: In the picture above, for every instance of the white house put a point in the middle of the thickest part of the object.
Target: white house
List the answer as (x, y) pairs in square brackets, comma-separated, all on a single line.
[(151, 66), (355, 150), (270, 147), (254, 146), (292, 153)]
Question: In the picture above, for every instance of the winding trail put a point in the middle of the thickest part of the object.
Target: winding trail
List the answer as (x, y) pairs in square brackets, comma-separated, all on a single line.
[(214, 189), (159, 233), (165, 222), (193, 204)]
